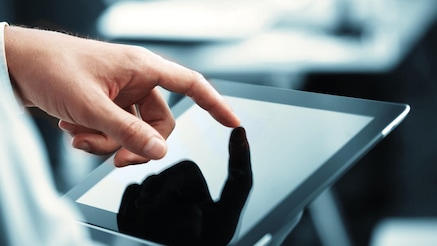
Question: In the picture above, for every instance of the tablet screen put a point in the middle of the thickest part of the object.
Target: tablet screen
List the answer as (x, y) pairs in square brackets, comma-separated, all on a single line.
[(288, 143)]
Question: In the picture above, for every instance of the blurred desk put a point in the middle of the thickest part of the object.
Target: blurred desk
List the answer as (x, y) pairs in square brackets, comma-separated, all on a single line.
[(281, 53)]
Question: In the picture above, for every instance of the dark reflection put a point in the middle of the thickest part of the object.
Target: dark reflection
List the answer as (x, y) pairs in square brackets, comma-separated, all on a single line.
[(176, 208)]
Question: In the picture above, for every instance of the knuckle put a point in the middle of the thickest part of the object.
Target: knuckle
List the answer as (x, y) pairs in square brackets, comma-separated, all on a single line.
[(197, 78), (129, 131)]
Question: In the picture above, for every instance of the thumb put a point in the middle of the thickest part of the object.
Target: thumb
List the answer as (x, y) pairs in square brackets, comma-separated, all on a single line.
[(129, 131)]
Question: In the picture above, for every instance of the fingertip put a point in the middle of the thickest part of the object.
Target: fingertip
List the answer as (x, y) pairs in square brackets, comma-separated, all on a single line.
[(234, 121), (82, 145), (238, 135), (65, 126), (156, 148), (79, 142), (60, 123), (121, 163), (226, 115), (237, 121), (239, 150), (125, 158)]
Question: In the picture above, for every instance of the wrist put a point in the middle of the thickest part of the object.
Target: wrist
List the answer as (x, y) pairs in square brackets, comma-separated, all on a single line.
[(6, 84), (14, 57)]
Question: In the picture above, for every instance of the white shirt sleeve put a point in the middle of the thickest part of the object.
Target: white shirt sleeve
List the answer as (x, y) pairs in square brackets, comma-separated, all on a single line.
[(31, 211), (5, 82)]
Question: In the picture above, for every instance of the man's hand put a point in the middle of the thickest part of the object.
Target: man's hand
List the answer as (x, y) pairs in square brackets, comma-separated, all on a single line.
[(95, 89)]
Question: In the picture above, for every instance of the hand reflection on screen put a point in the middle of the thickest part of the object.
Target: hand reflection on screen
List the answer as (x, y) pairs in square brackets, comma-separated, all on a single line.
[(176, 208)]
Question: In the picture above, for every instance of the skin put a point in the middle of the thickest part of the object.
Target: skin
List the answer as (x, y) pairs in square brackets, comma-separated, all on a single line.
[(95, 87)]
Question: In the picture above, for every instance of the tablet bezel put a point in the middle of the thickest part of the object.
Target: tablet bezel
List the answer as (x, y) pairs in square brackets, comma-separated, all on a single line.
[(386, 116)]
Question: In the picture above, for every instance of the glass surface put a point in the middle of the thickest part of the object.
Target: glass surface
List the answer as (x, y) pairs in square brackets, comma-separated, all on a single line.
[(288, 144)]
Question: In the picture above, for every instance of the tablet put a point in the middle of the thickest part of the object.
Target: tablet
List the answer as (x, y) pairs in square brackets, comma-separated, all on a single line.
[(300, 144)]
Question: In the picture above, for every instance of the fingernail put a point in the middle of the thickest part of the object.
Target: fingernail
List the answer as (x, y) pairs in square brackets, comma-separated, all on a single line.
[(84, 146), (155, 148)]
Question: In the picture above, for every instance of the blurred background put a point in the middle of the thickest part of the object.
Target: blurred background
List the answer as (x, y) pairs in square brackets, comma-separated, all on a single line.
[(376, 49)]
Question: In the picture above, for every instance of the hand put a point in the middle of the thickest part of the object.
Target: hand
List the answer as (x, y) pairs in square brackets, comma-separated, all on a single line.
[(94, 88), (175, 207)]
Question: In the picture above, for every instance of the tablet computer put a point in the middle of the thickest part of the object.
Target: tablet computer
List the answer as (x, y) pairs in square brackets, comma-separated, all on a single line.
[(300, 144)]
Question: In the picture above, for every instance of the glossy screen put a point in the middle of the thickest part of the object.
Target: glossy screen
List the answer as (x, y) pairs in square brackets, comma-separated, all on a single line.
[(288, 144)]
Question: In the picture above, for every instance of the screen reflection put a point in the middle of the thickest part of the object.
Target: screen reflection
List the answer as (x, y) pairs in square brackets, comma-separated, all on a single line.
[(175, 207)]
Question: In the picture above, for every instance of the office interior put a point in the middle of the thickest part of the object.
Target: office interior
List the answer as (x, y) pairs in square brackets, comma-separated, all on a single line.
[(382, 50)]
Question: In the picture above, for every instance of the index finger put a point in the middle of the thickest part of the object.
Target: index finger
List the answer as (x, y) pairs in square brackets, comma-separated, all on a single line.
[(179, 79)]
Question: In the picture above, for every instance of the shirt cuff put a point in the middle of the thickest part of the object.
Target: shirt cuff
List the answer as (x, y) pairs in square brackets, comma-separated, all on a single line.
[(7, 91)]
